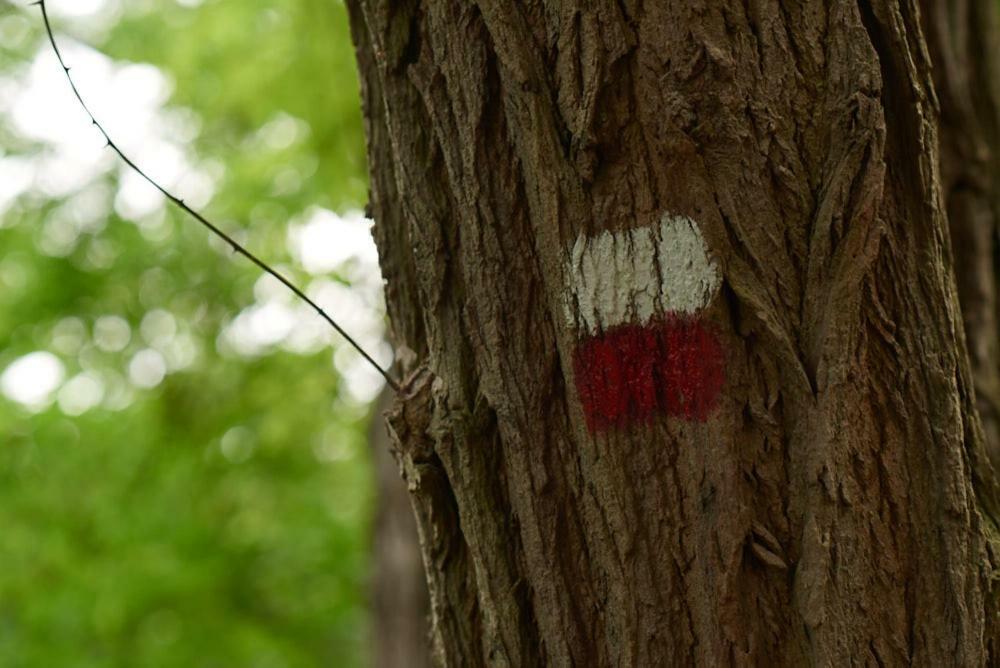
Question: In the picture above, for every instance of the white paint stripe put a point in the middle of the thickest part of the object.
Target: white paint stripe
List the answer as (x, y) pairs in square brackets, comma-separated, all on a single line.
[(636, 274)]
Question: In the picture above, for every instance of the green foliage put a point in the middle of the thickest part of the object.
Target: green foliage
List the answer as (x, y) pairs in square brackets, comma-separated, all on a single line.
[(220, 516)]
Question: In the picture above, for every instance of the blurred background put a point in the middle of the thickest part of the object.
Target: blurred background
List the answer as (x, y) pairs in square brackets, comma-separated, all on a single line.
[(185, 476)]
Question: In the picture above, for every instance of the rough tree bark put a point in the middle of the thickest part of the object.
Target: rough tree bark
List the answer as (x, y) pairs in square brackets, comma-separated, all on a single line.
[(788, 468)]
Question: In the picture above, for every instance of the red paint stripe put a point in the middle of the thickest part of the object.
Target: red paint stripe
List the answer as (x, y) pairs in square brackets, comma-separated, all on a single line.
[(632, 373)]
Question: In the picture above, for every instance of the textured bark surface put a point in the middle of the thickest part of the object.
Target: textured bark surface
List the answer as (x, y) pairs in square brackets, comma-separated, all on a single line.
[(836, 505), (964, 41)]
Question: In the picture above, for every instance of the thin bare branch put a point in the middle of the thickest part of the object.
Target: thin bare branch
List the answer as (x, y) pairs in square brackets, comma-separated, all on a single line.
[(237, 248)]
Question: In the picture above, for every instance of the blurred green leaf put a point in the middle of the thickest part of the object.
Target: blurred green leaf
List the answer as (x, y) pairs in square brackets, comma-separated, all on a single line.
[(219, 515)]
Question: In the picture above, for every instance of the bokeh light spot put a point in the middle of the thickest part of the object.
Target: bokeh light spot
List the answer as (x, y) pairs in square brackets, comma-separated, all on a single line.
[(147, 368), (30, 380), (80, 394), (112, 333)]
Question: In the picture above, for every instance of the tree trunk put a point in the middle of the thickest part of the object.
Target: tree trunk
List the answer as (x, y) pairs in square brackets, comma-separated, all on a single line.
[(398, 587), (687, 382), (964, 41)]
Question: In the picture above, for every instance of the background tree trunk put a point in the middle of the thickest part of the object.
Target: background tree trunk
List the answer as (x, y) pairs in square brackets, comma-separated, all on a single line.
[(584, 494), (964, 41), (400, 606)]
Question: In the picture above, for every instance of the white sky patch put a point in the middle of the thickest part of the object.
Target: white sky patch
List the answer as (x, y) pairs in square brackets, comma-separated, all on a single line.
[(128, 100), (259, 327), (321, 242), (634, 275), (44, 108), (31, 380), (77, 8), (16, 177), (326, 240), (269, 289), (136, 198)]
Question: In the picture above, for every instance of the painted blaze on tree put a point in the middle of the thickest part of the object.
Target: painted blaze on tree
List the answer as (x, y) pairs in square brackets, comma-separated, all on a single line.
[(636, 297)]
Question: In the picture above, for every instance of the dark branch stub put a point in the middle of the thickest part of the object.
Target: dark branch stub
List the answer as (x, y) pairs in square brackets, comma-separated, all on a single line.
[(237, 248)]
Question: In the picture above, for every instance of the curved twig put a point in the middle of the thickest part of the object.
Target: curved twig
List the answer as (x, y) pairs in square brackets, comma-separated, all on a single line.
[(237, 248)]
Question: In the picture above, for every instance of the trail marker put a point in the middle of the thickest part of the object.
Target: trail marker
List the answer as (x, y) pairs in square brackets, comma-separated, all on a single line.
[(636, 297)]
